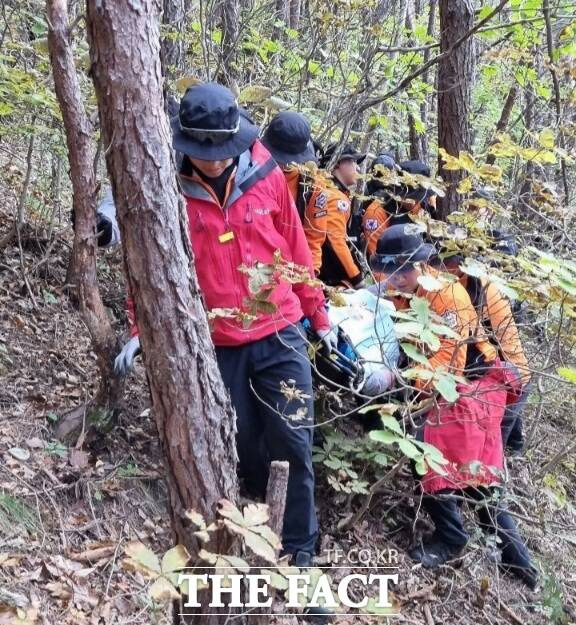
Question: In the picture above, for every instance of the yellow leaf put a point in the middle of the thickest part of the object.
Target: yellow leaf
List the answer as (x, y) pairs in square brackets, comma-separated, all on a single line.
[(451, 163), (141, 559), (163, 591), (467, 161), (186, 81), (254, 94), (465, 185), (174, 560), (546, 138), (493, 173), (539, 155)]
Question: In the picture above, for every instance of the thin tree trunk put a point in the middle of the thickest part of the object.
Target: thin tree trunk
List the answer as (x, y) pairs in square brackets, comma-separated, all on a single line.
[(504, 117), (454, 89), (81, 156), (230, 32), (190, 404), (295, 14), (173, 50), (557, 94), (424, 107)]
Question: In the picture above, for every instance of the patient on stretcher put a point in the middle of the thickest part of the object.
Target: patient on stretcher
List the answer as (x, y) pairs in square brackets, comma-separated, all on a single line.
[(365, 321)]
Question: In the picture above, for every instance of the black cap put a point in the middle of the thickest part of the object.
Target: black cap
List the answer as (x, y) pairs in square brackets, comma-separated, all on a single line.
[(347, 151), (209, 125), (416, 167), (398, 247), (385, 160), (288, 139)]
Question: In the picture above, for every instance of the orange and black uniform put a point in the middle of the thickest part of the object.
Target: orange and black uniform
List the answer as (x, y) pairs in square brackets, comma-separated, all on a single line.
[(311, 200), (338, 263), (376, 219), (458, 356), (495, 313)]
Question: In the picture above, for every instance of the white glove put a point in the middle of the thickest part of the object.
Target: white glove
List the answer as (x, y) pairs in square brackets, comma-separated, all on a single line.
[(329, 338), (125, 359)]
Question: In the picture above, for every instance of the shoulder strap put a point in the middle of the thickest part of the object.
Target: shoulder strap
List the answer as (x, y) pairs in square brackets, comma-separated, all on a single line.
[(259, 174), (303, 194)]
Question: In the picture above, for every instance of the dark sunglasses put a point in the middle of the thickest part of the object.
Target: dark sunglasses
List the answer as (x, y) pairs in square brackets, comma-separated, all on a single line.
[(215, 137)]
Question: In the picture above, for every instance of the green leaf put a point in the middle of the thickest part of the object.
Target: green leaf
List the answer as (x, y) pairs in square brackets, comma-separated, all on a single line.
[(173, 560), (430, 339), (333, 463), (142, 559), (435, 466), (391, 423), (446, 386), (412, 353), (384, 436), (421, 466), (409, 449), (420, 306), (568, 373)]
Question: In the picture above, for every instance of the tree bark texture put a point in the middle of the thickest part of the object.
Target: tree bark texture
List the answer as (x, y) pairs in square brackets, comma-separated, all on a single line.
[(173, 48), (81, 156), (190, 404), (454, 87), (504, 117), (230, 32)]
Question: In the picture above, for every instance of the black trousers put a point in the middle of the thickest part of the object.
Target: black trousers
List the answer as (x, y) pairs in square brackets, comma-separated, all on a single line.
[(254, 374), (444, 509)]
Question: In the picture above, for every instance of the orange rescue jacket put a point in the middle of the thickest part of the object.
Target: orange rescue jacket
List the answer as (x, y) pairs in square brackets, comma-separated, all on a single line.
[(453, 304), (312, 202), (495, 313), (338, 263)]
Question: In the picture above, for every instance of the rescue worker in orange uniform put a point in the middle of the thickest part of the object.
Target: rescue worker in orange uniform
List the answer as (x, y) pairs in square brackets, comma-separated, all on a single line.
[(495, 313), (288, 139), (466, 431), (391, 203), (339, 264)]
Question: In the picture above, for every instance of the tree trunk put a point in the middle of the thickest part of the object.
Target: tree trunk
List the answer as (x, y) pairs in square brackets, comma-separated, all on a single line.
[(504, 117), (173, 49), (424, 107), (190, 404), (230, 32), (81, 156), (295, 14), (454, 87)]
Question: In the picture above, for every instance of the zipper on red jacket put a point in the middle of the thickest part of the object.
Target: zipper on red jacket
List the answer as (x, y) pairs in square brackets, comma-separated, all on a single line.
[(249, 220)]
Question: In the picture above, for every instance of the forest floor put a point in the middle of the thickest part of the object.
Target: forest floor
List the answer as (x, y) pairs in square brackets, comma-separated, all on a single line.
[(66, 513)]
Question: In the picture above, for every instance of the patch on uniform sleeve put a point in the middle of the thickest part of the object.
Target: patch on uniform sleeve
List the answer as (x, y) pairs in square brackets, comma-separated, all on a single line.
[(343, 206), (321, 200), (450, 319), (319, 214), (371, 225)]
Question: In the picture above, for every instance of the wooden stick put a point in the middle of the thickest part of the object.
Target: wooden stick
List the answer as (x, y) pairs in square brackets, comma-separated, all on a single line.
[(276, 494)]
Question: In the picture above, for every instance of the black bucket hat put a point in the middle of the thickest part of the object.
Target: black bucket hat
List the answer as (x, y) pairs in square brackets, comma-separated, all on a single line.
[(288, 139), (398, 248), (385, 160), (416, 167), (348, 151), (210, 125)]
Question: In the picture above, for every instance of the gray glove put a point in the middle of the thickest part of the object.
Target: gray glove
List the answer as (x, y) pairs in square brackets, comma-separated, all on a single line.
[(329, 338), (125, 359)]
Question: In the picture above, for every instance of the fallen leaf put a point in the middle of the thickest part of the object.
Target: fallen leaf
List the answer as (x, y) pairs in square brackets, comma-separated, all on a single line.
[(162, 590), (19, 453)]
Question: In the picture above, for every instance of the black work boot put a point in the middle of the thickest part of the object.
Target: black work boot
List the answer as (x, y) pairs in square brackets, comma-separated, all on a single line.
[(318, 616), (435, 553), (527, 574)]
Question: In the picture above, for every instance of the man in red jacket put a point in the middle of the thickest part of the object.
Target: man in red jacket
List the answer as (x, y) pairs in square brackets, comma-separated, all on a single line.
[(240, 212)]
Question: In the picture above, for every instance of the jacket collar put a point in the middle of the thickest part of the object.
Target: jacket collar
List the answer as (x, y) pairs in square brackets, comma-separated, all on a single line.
[(253, 165)]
